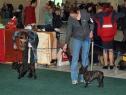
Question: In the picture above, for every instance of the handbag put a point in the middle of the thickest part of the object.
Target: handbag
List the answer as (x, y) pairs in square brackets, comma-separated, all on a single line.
[(62, 58), (11, 24)]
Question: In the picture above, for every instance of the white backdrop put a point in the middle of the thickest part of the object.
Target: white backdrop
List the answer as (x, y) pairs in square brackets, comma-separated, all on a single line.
[(40, 11), (114, 3)]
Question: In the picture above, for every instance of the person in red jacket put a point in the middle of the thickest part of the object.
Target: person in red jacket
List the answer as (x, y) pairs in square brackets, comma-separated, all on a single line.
[(29, 16), (107, 29)]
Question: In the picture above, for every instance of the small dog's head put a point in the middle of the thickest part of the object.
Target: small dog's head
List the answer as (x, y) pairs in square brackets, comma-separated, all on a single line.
[(15, 64), (83, 70)]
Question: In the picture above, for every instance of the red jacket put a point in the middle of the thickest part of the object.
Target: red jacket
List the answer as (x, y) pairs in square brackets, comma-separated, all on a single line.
[(107, 26), (29, 15)]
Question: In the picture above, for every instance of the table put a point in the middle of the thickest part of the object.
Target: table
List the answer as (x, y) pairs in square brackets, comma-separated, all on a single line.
[(46, 40), (2, 47), (47, 47)]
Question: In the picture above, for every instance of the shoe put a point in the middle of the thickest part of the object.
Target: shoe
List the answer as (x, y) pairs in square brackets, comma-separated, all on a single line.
[(95, 64), (30, 75), (111, 67), (82, 81), (43, 29), (75, 82), (105, 67)]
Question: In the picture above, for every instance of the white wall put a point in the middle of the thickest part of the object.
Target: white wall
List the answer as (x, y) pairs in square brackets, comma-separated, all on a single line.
[(40, 12), (94, 1), (15, 3), (120, 1), (87, 1)]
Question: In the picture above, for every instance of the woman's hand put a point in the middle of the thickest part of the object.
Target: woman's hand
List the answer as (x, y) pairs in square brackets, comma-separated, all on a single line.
[(29, 45), (65, 47), (36, 66), (91, 34), (15, 46)]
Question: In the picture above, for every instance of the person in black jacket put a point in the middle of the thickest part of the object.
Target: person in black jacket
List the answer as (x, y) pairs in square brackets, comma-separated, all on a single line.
[(57, 20), (123, 20), (81, 27), (82, 5)]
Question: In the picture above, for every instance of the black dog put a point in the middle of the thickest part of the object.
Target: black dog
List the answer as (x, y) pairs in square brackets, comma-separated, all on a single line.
[(23, 68), (118, 46), (91, 75), (122, 65)]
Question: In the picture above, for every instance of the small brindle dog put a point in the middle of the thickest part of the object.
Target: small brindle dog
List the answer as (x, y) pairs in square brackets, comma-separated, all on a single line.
[(23, 68), (91, 75)]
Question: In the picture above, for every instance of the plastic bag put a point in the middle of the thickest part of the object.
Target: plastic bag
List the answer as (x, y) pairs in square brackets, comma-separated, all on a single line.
[(62, 58), (11, 24)]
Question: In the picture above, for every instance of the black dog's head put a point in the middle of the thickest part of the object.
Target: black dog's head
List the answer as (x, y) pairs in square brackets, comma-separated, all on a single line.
[(15, 64), (83, 70)]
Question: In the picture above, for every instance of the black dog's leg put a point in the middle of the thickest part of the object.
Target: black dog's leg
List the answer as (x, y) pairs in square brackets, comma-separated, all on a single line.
[(102, 81), (19, 75), (22, 75), (102, 84), (86, 84), (34, 75), (99, 82), (30, 75)]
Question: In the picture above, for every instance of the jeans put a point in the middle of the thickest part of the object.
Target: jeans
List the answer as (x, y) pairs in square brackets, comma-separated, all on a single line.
[(44, 26), (76, 46)]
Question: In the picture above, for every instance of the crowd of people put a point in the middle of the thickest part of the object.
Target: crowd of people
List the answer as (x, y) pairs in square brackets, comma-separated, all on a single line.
[(85, 22)]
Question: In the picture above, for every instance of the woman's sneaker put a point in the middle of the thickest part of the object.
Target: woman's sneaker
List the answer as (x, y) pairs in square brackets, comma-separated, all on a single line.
[(82, 81), (75, 82)]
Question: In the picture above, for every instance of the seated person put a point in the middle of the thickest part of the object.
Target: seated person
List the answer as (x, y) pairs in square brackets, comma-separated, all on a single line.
[(52, 23), (48, 20), (4, 8), (57, 20)]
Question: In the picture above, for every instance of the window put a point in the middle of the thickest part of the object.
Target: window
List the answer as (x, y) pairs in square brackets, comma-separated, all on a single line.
[(56, 1)]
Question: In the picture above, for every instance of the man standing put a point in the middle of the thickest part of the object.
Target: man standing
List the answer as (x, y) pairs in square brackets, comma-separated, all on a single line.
[(29, 17), (82, 5)]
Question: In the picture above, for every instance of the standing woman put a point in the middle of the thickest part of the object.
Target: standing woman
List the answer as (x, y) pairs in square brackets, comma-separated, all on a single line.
[(107, 29), (81, 27), (27, 39)]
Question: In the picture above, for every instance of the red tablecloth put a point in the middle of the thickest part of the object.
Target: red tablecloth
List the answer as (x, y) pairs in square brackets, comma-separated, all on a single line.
[(2, 46), (11, 54)]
